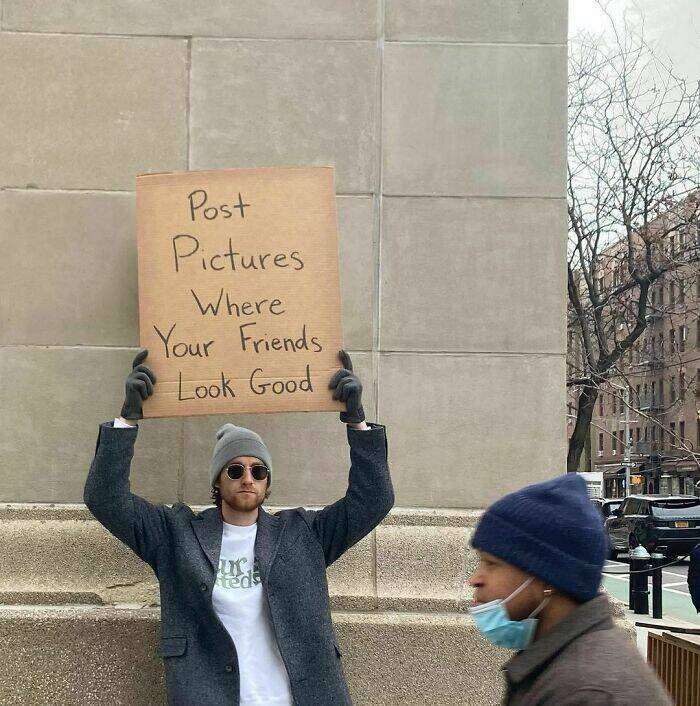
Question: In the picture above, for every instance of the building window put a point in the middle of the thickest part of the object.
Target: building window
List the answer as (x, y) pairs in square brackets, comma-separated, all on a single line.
[(673, 388), (661, 393), (681, 385), (601, 444), (662, 438), (653, 433), (614, 403), (638, 389), (653, 393), (600, 405), (683, 337), (614, 443), (661, 343), (672, 244), (672, 293), (637, 433), (681, 429), (672, 426), (646, 433), (661, 294), (681, 293), (672, 339)]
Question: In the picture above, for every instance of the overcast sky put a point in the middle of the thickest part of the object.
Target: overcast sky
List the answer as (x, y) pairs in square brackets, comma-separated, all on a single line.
[(672, 26)]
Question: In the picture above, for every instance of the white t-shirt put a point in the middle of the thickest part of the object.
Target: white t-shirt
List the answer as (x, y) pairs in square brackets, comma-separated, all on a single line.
[(239, 602)]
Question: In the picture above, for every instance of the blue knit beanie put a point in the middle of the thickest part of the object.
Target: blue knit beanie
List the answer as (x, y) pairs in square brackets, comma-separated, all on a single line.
[(550, 530)]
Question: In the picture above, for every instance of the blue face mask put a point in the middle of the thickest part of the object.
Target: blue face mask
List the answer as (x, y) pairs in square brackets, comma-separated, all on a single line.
[(495, 625)]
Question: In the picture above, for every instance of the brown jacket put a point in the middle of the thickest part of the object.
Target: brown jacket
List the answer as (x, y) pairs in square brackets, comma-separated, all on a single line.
[(584, 661)]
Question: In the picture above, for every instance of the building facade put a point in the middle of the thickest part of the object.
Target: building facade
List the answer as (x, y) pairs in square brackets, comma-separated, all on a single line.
[(648, 412)]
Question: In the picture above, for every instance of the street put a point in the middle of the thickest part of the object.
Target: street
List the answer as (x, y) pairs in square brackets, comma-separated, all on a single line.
[(676, 597)]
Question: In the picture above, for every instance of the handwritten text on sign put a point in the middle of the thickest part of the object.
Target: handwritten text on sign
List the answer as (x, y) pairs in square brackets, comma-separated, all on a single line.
[(239, 295)]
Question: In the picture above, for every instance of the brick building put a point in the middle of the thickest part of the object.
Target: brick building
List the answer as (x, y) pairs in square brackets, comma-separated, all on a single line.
[(661, 375)]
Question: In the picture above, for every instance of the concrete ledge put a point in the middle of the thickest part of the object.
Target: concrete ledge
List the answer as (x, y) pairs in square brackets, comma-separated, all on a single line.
[(107, 655), (62, 598), (416, 560), (397, 516)]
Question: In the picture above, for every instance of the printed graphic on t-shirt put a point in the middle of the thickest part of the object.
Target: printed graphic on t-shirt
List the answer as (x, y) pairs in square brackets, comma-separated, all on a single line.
[(232, 574)]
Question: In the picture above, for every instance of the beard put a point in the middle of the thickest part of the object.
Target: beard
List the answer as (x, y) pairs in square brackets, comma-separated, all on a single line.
[(244, 502)]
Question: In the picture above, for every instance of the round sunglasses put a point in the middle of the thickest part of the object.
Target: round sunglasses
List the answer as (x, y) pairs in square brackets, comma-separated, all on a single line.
[(259, 471)]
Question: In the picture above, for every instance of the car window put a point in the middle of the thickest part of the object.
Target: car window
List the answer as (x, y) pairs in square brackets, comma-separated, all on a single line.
[(611, 507), (676, 508), (636, 507)]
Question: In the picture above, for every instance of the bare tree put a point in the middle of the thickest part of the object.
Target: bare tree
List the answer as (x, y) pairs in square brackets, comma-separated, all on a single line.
[(633, 205)]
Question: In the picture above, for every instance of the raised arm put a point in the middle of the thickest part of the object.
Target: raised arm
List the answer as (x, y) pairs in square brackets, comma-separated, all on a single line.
[(370, 494), (136, 522)]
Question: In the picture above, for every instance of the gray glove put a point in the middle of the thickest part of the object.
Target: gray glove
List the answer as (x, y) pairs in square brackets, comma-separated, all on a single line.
[(347, 388), (139, 386)]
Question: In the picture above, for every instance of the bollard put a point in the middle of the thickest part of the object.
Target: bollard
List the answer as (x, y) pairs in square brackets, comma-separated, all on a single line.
[(639, 580), (657, 585)]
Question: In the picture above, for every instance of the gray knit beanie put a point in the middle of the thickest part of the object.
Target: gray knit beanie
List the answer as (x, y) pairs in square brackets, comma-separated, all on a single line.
[(233, 441)]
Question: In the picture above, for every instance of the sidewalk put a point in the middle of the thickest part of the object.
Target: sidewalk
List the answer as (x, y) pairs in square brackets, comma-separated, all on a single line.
[(676, 604)]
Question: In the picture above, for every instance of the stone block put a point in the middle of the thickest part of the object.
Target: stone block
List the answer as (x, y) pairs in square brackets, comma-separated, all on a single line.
[(67, 556), (309, 450), (351, 579), (453, 275), (356, 245), (84, 112), (325, 19), (522, 22), (399, 659), (286, 103), (52, 401), (87, 655), (98, 655), (468, 120), (59, 554), (68, 274), (420, 568), (473, 427)]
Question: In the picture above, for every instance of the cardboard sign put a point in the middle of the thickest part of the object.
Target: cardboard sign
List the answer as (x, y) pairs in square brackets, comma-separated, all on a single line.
[(239, 290)]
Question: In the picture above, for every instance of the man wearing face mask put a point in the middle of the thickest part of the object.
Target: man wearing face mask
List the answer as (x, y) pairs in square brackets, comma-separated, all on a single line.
[(541, 554)]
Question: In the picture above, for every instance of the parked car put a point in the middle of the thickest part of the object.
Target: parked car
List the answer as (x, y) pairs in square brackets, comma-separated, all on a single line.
[(669, 524), (607, 506)]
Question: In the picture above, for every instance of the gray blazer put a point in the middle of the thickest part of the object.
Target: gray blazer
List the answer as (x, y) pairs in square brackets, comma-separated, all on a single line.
[(293, 549)]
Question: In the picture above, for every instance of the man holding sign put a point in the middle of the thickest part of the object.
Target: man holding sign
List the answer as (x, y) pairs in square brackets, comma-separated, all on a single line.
[(245, 612)]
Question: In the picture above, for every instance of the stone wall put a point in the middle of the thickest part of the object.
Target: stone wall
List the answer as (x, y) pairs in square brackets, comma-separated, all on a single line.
[(445, 122)]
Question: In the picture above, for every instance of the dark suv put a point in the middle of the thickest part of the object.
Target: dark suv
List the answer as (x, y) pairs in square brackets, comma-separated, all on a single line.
[(669, 524)]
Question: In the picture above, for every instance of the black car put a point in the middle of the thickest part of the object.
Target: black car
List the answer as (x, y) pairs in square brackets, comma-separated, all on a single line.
[(607, 506), (669, 524)]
